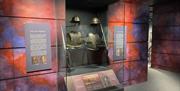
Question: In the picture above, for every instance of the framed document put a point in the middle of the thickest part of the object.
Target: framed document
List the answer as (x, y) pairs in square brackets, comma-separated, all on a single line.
[(38, 47)]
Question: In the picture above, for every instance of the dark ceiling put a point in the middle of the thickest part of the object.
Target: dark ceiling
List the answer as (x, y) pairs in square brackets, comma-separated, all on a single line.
[(88, 4)]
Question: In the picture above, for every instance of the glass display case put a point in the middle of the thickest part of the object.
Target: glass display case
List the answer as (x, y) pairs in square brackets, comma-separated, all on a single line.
[(85, 43)]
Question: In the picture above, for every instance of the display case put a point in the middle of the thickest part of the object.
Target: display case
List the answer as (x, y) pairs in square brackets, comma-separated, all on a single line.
[(86, 49)]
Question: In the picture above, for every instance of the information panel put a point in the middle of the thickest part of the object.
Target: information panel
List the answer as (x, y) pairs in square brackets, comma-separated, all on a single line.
[(119, 43), (38, 46)]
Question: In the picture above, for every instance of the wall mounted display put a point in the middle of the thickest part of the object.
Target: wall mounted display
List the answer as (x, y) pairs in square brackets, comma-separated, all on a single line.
[(119, 43), (38, 49)]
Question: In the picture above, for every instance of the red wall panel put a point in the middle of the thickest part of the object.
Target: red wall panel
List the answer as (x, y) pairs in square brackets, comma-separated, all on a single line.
[(116, 12), (6, 64), (133, 15), (46, 82), (137, 51), (14, 14), (28, 8), (20, 63)]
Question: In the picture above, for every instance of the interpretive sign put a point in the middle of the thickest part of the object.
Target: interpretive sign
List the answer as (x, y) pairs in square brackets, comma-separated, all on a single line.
[(38, 46), (119, 43)]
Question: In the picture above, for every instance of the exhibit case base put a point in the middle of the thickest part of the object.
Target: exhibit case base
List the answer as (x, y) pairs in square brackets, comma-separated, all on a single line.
[(92, 78)]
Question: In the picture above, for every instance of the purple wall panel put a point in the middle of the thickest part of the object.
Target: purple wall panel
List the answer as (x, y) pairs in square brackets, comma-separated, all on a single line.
[(61, 81), (161, 59), (127, 69), (119, 70), (6, 64), (110, 54), (166, 41), (12, 31), (170, 47), (18, 24), (165, 8), (7, 85), (46, 82), (6, 33), (163, 20), (166, 60), (166, 33), (138, 71)]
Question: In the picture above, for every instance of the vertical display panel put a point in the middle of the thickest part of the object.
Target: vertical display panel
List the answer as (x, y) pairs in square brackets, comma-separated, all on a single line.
[(119, 43), (38, 47)]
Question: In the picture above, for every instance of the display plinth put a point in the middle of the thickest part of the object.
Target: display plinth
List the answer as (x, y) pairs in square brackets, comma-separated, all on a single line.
[(92, 78)]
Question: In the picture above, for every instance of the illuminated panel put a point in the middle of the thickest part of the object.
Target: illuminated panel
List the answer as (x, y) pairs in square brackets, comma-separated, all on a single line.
[(46, 82), (6, 64), (20, 63), (28, 8)]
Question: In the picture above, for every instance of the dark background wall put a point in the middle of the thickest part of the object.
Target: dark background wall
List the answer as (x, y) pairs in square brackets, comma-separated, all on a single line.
[(133, 14), (166, 35), (83, 56), (14, 14)]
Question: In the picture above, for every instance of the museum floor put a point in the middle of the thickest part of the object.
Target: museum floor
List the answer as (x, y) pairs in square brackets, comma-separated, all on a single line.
[(158, 80)]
